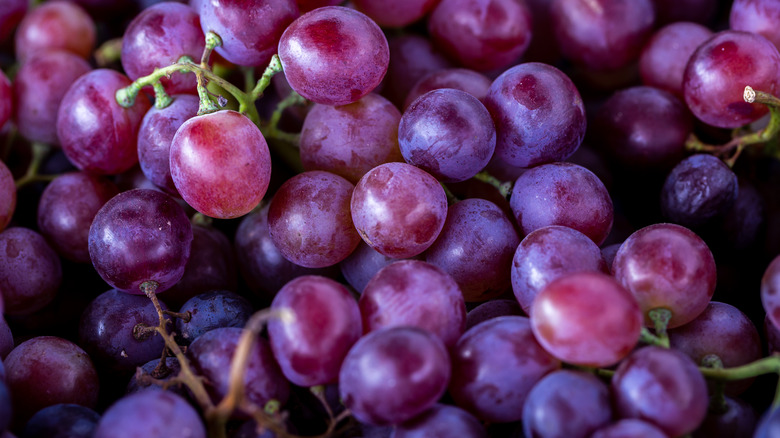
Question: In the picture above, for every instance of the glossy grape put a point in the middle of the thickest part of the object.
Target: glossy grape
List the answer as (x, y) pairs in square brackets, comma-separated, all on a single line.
[(55, 25), (757, 16), (663, 60), (30, 271), (151, 414)]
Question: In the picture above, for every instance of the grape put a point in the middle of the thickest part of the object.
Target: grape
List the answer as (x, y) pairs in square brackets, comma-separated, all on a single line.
[(38, 92), (492, 309), (414, 293), (11, 13), (644, 128), (6, 99), (629, 428), (439, 422), (562, 194), (309, 5), (62, 421), (566, 404), (563, 318), (662, 62), (770, 291), (738, 420), (398, 209), (743, 222), (48, 370), (211, 354), (309, 219), (212, 310), (150, 414), (7, 196), (139, 236), (324, 323), (602, 34), (461, 79), (547, 254), (350, 140), (6, 342), (412, 57), (699, 11), (67, 208), (667, 266), (172, 369), (757, 16), (6, 406), (475, 247), (396, 13), (661, 386), (106, 331), (333, 55), (538, 113), (447, 133), (97, 135), (159, 36), (220, 164), (609, 252), (494, 366), (55, 25), (718, 71), (30, 271), (769, 425), (244, 42), (392, 375)]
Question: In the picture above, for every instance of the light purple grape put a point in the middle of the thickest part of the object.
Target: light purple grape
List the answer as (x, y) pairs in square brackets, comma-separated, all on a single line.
[(151, 414), (629, 428), (439, 422), (770, 291), (30, 271), (757, 16)]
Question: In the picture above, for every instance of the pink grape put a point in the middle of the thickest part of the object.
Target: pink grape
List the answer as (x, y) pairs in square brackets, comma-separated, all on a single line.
[(6, 99), (56, 25), (398, 13)]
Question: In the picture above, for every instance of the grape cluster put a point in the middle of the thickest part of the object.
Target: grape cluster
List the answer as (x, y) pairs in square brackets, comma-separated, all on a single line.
[(412, 218)]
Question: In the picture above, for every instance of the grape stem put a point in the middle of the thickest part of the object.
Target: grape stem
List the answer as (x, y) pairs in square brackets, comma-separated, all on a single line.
[(767, 365), (718, 403), (39, 153), (661, 318), (108, 52), (503, 187), (730, 151)]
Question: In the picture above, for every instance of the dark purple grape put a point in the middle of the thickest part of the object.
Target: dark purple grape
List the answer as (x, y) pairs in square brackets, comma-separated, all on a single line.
[(413, 56), (30, 271), (139, 236), (161, 376), (562, 194), (349, 140), (96, 134), (539, 115), (62, 421), (38, 92), (492, 309), (7, 195), (155, 136), (11, 13), (323, 323), (566, 404), (6, 406), (494, 366), (334, 55), (158, 37), (212, 310), (106, 331), (397, 13), (699, 11), (392, 375), (738, 420), (461, 79), (48, 370), (547, 254), (662, 386), (667, 266), (475, 247), (629, 428), (150, 414), (244, 42), (6, 341), (745, 220), (212, 353), (440, 422), (67, 208), (663, 60), (55, 25), (308, 5), (448, 133), (417, 294), (718, 71), (481, 34), (757, 16), (6, 99)]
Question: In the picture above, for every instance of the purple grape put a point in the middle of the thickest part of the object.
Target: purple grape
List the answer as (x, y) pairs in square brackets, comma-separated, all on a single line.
[(349, 140), (439, 422), (398, 13), (30, 271), (55, 25), (325, 322), (492, 309), (150, 414), (461, 79), (360, 266), (155, 136), (67, 208), (140, 236), (744, 221), (629, 428), (481, 34), (334, 55), (398, 209), (172, 369), (738, 420), (417, 294), (547, 254), (212, 310), (661, 386), (6, 341), (38, 93), (413, 56), (106, 331), (62, 421), (7, 196), (757, 16), (159, 36), (539, 115), (392, 375), (698, 189), (562, 194), (475, 247), (770, 291), (6, 100), (6, 406), (243, 41), (11, 13), (448, 133), (309, 5), (494, 366), (309, 219), (670, 11), (566, 404)]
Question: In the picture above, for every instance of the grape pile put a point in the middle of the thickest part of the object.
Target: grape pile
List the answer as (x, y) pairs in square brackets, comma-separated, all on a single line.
[(373, 218)]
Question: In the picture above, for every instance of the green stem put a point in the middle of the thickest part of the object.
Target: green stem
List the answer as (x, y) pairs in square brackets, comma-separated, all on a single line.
[(39, 153), (274, 67), (503, 187), (717, 396), (647, 337), (661, 318), (271, 129)]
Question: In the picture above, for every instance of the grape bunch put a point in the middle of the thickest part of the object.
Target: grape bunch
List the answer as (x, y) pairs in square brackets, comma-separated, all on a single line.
[(372, 218)]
